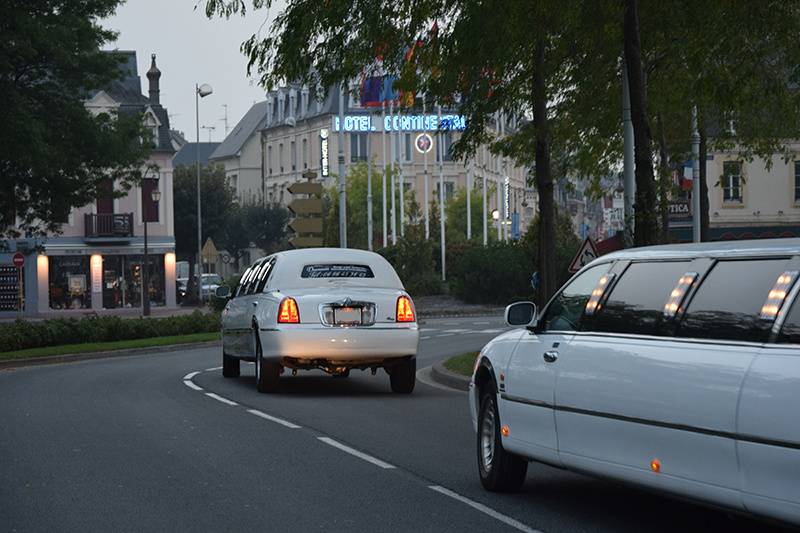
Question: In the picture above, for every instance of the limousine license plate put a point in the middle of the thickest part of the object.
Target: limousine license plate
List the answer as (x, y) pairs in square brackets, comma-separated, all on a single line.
[(346, 316)]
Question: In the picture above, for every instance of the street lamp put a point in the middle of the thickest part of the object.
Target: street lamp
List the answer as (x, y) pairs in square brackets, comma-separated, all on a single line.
[(155, 195), (200, 91), (495, 214)]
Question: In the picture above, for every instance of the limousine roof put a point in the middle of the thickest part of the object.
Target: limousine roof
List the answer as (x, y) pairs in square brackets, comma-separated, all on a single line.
[(291, 262), (748, 248)]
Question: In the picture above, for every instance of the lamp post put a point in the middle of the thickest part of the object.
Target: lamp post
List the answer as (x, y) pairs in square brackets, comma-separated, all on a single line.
[(155, 195), (200, 91)]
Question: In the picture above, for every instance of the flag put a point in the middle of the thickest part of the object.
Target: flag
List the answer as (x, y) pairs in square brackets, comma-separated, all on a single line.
[(372, 91)]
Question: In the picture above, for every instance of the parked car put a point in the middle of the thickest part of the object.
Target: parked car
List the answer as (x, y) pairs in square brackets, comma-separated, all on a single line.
[(320, 308), (210, 284), (181, 286), (672, 367)]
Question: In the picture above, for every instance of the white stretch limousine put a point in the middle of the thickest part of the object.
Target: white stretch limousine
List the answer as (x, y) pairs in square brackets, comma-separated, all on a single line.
[(672, 367), (327, 308)]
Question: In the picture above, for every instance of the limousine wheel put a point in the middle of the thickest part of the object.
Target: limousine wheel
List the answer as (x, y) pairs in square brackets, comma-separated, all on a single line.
[(267, 372), (500, 471), (403, 377), (230, 366)]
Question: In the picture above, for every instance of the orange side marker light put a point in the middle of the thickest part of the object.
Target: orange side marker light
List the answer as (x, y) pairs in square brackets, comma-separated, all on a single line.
[(655, 466), (504, 431)]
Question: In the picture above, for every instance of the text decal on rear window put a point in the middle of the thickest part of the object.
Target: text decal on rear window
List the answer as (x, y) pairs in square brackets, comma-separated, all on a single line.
[(337, 271)]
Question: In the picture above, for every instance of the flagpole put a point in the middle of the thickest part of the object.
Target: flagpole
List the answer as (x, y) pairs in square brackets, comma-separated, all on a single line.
[(401, 137), (394, 150), (440, 149), (427, 185), (485, 217), (469, 204), (369, 184), (383, 179)]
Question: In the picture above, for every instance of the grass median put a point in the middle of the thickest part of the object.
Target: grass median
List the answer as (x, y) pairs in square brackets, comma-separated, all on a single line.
[(108, 346), (462, 364)]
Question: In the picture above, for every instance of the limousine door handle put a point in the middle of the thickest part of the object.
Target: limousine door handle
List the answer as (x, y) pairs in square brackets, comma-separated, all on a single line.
[(550, 357), (255, 304)]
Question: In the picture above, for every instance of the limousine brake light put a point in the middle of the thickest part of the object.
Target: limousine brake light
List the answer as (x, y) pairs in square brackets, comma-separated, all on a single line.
[(288, 313), (678, 294), (405, 313), (778, 294)]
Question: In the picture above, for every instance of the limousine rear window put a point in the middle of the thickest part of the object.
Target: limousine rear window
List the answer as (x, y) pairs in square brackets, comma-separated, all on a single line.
[(336, 271), (727, 304)]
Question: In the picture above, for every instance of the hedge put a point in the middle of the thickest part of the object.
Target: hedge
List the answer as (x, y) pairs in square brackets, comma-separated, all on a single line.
[(23, 334)]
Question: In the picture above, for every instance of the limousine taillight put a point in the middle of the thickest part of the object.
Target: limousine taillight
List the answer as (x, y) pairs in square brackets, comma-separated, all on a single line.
[(405, 313), (288, 313)]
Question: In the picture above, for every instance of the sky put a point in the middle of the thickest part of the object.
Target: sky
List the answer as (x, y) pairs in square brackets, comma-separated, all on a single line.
[(190, 49)]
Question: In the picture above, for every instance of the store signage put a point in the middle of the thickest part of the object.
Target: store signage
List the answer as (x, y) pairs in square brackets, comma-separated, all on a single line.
[(365, 123), (323, 162), (506, 194), (423, 143)]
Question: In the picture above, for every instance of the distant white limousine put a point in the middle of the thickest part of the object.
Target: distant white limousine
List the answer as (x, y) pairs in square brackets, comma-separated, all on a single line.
[(673, 367), (326, 308)]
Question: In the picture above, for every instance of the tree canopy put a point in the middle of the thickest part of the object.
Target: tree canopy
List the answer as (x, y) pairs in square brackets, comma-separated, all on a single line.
[(53, 153)]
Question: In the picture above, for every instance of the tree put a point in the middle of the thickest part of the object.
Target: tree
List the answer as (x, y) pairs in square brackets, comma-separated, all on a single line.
[(54, 154), (216, 198), (455, 211)]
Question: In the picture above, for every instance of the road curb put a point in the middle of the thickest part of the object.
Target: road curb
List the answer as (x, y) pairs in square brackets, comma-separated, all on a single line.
[(445, 377), (70, 358)]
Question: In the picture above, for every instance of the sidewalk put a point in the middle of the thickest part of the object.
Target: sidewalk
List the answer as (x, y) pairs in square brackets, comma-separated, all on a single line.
[(448, 306)]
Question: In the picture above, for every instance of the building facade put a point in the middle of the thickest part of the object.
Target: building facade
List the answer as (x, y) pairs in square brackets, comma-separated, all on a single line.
[(96, 263)]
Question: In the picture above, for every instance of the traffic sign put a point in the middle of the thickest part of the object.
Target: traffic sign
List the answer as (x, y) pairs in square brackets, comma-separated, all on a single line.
[(18, 260), (209, 251), (302, 187), (586, 254), (306, 225), (306, 242), (306, 206)]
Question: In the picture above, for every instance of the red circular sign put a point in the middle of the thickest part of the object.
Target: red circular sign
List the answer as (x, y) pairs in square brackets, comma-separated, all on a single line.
[(18, 260)]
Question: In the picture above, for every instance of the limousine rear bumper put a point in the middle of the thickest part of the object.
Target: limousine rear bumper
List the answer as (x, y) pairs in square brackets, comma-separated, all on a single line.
[(312, 341)]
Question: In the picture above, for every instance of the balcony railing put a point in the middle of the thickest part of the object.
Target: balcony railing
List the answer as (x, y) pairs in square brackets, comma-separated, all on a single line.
[(108, 225)]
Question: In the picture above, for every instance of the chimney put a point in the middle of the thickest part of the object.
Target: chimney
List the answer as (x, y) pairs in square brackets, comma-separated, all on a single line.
[(153, 75)]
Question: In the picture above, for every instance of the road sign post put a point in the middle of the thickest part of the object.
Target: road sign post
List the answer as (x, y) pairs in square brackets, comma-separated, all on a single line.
[(307, 221)]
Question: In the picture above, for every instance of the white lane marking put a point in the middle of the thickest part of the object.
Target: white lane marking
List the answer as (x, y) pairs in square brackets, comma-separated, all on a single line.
[(191, 385), (426, 337), (427, 329), (213, 369), (220, 398), (355, 453), (271, 418), (481, 323), (484, 509), (489, 331), (445, 335), (456, 330), (190, 375)]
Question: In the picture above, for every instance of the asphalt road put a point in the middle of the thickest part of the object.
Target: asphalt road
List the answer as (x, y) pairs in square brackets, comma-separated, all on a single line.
[(164, 443)]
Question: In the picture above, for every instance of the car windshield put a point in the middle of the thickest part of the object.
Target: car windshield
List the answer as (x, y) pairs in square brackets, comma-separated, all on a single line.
[(211, 279)]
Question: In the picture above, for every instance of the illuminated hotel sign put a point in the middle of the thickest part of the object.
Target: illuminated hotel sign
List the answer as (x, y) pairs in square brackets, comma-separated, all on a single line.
[(363, 123), (323, 163)]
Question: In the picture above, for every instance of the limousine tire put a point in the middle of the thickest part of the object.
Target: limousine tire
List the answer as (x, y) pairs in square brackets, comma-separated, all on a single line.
[(403, 376), (267, 372), (500, 471), (230, 366)]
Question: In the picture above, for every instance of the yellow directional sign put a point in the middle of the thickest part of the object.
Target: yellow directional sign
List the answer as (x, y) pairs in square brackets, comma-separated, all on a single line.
[(306, 206), (305, 188), (306, 242), (210, 251), (306, 225)]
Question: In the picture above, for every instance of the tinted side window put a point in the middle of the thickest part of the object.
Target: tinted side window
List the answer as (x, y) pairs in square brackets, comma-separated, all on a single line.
[(790, 334), (263, 276), (252, 282), (566, 309), (728, 303), (636, 303), (240, 288)]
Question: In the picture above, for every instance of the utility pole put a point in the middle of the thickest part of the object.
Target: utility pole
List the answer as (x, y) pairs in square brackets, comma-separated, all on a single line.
[(695, 178), (342, 175), (469, 206), (627, 160), (485, 214), (225, 119)]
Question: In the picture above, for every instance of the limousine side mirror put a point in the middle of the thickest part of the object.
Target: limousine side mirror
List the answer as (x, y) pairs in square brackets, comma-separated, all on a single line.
[(222, 292), (521, 314)]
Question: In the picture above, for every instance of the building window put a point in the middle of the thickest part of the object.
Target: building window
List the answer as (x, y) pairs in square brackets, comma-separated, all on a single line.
[(797, 181), (305, 153), (280, 157), (269, 158), (358, 147), (732, 182), (408, 143), (70, 282), (449, 189), (122, 280), (293, 148), (149, 207), (234, 182)]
